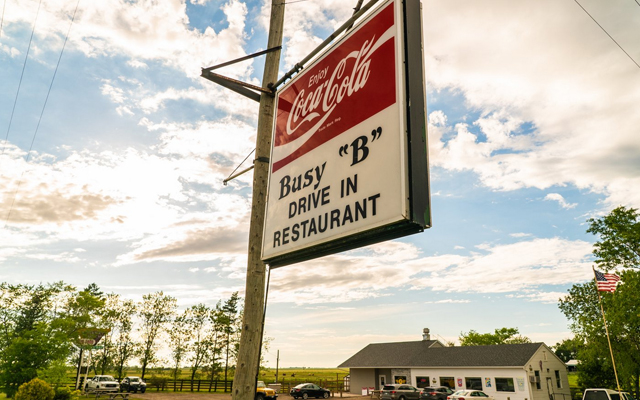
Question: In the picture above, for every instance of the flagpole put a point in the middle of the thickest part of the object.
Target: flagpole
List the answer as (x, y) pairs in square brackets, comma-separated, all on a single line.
[(606, 330)]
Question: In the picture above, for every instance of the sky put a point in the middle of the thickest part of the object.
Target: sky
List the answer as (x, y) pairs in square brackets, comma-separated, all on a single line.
[(532, 124)]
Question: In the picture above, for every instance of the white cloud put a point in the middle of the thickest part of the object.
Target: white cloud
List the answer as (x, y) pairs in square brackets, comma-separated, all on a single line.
[(520, 234), (565, 82), (519, 267), (137, 64), (448, 301), (558, 197)]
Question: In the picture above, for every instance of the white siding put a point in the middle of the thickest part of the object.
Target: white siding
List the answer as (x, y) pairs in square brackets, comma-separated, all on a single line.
[(521, 391), (546, 363)]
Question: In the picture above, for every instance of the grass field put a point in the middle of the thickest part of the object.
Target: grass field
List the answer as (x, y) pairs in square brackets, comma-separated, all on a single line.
[(303, 374)]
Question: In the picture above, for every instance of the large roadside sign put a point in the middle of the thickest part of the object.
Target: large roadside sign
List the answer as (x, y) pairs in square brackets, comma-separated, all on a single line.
[(348, 163)]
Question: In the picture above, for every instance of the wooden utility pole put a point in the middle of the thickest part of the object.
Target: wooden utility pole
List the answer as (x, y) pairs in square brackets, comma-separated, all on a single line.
[(244, 381)]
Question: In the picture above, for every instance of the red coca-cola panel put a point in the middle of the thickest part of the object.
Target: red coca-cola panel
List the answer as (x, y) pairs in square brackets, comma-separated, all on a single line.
[(352, 82)]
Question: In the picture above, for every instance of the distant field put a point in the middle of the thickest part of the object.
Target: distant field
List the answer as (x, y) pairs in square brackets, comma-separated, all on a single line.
[(303, 374)]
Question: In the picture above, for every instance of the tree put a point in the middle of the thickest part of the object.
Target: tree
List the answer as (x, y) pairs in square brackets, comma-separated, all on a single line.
[(500, 336), (622, 308), (229, 317), (216, 319), (197, 321), (568, 349), (156, 310), (179, 341), (619, 245), (37, 334), (124, 347)]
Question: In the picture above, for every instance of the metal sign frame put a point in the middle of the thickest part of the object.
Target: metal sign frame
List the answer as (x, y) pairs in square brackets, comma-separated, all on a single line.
[(417, 214)]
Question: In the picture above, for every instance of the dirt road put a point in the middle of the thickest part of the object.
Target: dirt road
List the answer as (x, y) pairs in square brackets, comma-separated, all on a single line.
[(218, 396)]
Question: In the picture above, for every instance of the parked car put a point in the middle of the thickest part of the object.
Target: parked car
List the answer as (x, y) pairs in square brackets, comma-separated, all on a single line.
[(435, 393), (469, 395), (306, 390), (605, 394), (265, 393), (399, 392), (133, 384), (102, 383)]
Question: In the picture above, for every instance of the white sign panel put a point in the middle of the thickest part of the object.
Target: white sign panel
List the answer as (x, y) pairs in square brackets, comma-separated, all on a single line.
[(338, 164)]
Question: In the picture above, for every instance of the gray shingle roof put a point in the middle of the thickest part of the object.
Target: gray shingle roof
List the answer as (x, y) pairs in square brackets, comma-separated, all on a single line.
[(420, 354)]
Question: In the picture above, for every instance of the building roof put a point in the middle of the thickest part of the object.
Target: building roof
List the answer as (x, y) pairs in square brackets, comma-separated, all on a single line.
[(422, 354)]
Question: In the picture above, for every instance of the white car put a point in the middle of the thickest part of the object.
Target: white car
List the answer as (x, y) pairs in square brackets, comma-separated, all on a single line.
[(102, 383), (469, 395)]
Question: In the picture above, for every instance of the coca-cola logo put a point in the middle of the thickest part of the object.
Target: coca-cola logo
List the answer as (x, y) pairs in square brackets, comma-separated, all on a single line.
[(309, 105)]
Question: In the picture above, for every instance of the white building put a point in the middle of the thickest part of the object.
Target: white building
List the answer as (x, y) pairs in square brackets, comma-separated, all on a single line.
[(528, 371)]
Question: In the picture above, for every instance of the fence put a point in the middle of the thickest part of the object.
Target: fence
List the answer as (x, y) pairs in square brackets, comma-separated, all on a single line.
[(156, 383)]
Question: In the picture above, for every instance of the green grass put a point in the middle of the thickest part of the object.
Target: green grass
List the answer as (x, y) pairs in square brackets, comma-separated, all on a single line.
[(573, 379), (303, 374)]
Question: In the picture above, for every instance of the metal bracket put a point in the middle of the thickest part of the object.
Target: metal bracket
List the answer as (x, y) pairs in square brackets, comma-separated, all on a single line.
[(243, 88)]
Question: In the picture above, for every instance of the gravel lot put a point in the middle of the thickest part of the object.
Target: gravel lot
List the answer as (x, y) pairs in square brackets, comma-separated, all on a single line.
[(216, 396)]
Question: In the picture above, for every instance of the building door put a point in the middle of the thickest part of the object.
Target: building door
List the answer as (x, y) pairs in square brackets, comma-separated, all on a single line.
[(550, 388)]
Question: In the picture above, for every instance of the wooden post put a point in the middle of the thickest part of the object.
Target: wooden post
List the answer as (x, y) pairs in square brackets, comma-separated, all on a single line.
[(244, 381), (613, 361)]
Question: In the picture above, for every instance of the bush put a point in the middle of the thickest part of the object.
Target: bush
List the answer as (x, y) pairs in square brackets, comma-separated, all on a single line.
[(63, 393), (35, 389)]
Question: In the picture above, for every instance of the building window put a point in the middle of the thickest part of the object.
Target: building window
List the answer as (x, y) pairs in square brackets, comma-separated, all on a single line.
[(448, 381), (422, 381), (537, 374), (473, 383), (400, 379), (505, 385), (558, 380)]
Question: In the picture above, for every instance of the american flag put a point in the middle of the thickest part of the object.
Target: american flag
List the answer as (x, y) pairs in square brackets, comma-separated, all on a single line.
[(606, 282)]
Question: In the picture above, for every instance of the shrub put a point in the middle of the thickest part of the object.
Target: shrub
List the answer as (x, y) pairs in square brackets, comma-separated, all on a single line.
[(64, 393), (35, 389)]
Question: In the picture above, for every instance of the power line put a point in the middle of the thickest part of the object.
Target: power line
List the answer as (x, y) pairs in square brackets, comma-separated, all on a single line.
[(33, 139), (605, 31), (15, 101), (4, 4)]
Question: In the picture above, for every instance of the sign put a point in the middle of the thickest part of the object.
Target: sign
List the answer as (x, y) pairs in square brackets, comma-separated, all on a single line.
[(88, 337), (348, 163)]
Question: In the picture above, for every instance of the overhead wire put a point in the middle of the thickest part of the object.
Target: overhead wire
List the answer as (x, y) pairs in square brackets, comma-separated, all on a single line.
[(4, 4), (44, 105), (605, 31), (24, 65)]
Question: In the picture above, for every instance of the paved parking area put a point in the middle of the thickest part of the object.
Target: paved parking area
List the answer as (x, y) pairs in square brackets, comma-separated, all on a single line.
[(217, 396)]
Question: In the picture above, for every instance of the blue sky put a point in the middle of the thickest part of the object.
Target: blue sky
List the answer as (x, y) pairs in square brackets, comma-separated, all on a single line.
[(533, 129)]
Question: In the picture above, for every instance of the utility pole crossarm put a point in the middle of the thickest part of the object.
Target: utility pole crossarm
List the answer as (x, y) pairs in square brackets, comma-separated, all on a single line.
[(234, 84)]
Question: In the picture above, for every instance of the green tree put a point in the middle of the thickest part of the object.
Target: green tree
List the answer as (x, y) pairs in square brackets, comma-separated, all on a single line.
[(197, 321), (179, 336), (123, 345), (229, 317), (156, 311), (622, 311), (38, 334), (619, 245), (500, 336), (568, 349), (216, 333)]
